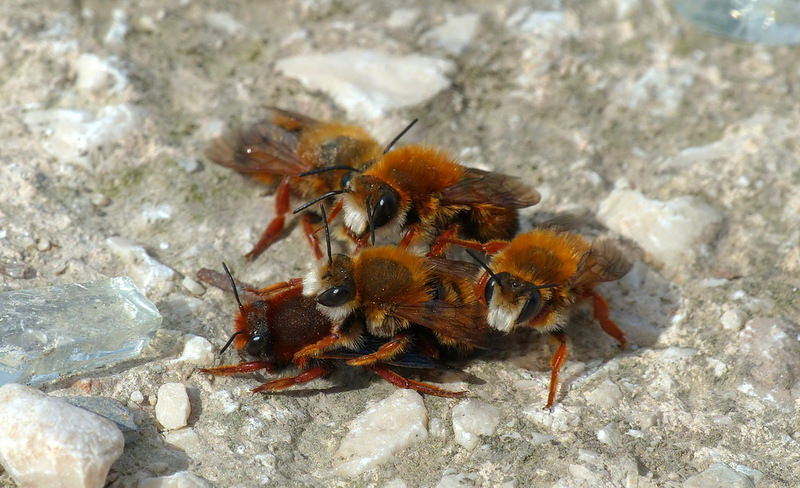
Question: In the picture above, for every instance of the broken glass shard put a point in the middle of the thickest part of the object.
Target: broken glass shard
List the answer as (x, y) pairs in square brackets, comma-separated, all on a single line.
[(47, 333)]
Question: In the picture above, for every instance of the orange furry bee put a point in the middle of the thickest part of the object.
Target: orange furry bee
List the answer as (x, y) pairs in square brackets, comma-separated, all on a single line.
[(537, 277), (285, 145), (277, 321), (422, 191), (393, 290)]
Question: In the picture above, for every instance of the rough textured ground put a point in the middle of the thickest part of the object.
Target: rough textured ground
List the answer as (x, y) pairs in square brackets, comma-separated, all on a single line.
[(582, 99)]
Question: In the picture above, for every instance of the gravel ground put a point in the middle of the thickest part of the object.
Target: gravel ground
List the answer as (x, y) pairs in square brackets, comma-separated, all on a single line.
[(630, 122)]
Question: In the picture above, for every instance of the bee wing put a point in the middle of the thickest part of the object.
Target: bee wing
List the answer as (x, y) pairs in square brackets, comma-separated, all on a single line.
[(370, 344), (462, 324), (603, 262), (457, 269), (220, 280), (489, 188), (266, 147)]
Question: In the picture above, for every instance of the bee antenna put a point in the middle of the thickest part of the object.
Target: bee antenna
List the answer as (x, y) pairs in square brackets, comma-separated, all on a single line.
[(485, 266), (326, 169), (318, 199), (327, 233), (230, 341), (398, 136), (233, 285)]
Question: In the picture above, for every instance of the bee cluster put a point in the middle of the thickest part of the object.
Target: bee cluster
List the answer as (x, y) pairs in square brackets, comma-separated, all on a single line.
[(394, 305)]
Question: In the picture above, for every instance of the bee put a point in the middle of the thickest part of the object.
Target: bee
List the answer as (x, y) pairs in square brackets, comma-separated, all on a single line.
[(394, 291), (278, 149), (537, 278), (419, 192), (277, 321)]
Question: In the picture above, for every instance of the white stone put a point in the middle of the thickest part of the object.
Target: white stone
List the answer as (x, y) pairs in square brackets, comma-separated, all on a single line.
[(367, 83), (402, 18), (95, 74), (118, 29), (733, 319), (181, 479), (148, 273), (609, 435), (45, 441), (197, 350), (717, 475), (190, 165), (186, 440), (192, 286), (70, 134), (173, 407), (137, 397), (395, 483), (455, 34), (389, 426), (225, 22), (672, 232), (606, 395), (473, 418)]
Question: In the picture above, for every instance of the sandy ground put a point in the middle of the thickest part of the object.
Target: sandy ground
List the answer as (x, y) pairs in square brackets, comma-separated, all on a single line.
[(584, 100)]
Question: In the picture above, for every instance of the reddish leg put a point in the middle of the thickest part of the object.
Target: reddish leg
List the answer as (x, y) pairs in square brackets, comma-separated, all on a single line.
[(239, 368), (409, 236), (311, 235), (447, 239), (293, 285), (304, 377), (423, 388), (386, 352), (275, 227), (601, 314), (317, 348), (558, 360), (335, 211)]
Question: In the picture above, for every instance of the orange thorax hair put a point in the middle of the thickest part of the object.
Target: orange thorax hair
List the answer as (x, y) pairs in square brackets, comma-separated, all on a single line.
[(417, 172), (542, 257), (387, 275)]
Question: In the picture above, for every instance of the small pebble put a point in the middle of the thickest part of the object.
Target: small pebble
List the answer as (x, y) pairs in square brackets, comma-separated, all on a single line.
[(42, 245), (148, 273), (197, 350), (98, 199), (383, 429), (473, 418), (173, 407), (193, 286), (609, 435), (733, 319), (181, 479), (95, 75), (45, 441), (118, 29), (455, 34), (137, 397), (606, 395), (186, 440), (402, 18), (190, 165), (718, 475)]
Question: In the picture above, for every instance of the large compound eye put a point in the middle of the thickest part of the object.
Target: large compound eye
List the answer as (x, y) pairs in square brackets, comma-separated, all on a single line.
[(384, 210), (335, 297), (531, 307), (489, 290), (255, 346)]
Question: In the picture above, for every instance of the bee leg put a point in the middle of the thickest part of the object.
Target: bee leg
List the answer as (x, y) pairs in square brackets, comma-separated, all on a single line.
[(275, 227), (409, 236), (318, 348), (446, 239), (558, 360), (303, 377), (386, 352), (292, 285), (424, 388), (311, 235), (239, 368), (601, 314)]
